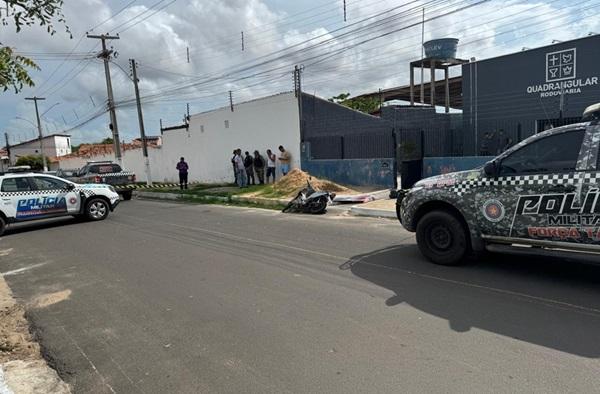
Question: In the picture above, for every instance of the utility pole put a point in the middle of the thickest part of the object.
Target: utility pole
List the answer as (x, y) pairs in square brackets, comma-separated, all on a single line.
[(422, 57), (7, 147), (298, 90), (105, 55), (231, 100), (39, 125), (141, 121)]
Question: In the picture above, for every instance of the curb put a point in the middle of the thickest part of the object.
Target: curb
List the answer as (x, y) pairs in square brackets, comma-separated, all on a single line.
[(372, 212), (260, 200), (177, 196)]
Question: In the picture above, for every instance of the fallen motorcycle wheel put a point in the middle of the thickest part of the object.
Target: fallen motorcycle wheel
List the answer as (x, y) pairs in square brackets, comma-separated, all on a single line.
[(318, 207)]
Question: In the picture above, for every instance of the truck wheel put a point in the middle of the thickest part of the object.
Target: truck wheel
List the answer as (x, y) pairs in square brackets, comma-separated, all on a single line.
[(2, 225), (127, 195), (96, 209), (442, 238)]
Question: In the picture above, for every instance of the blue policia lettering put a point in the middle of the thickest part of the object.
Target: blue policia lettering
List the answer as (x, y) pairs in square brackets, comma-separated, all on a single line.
[(33, 207)]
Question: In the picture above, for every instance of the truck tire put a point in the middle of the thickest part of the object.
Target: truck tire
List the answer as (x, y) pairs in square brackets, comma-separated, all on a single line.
[(96, 209), (127, 195), (442, 238), (2, 225)]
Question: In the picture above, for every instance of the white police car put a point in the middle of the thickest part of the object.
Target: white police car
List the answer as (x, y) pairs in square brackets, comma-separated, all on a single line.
[(32, 196)]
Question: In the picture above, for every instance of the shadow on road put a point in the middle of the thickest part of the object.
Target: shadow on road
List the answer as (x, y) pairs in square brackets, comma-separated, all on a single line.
[(36, 225), (549, 302)]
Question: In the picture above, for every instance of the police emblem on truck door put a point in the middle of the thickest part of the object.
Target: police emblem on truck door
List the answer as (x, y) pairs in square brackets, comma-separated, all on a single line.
[(532, 181)]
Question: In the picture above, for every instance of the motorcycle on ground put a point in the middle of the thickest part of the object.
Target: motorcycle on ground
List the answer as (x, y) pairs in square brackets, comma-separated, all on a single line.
[(310, 200)]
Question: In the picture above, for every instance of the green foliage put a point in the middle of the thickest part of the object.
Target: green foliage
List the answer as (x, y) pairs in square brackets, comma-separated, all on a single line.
[(31, 12), (75, 148), (107, 141), (13, 68), (362, 104), (36, 162)]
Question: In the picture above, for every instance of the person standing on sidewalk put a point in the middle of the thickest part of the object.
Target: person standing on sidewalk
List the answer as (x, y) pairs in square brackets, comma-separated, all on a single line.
[(235, 179), (285, 159), (270, 165), (240, 169), (249, 165), (259, 167), (182, 167)]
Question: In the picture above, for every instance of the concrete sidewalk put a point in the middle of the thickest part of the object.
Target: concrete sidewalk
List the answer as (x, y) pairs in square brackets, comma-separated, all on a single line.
[(379, 208)]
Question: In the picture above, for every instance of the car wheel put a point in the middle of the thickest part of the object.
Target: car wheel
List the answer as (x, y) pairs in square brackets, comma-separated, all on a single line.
[(2, 225), (442, 238), (96, 209), (127, 195)]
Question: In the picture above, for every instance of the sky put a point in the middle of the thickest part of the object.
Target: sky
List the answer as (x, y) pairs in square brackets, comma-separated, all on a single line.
[(368, 51)]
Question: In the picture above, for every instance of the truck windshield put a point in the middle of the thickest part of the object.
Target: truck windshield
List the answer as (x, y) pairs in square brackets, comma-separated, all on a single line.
[(104, 168)]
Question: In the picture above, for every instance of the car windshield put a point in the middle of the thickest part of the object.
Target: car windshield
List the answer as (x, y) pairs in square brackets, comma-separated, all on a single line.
[(104, 168)]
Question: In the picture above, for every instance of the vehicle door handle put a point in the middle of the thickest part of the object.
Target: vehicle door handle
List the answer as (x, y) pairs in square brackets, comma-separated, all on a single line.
[(562, 189)]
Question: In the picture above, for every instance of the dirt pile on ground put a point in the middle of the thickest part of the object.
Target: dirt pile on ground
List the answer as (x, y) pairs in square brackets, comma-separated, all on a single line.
[(15, 341), (296, 179)]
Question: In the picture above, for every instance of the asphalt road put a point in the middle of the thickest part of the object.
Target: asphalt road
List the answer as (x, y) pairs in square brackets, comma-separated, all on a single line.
[(171, 298)]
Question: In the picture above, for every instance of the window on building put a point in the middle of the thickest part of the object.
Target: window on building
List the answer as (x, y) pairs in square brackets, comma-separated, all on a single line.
[(226, 124), (555, 153), (202, 128), (18, 184)]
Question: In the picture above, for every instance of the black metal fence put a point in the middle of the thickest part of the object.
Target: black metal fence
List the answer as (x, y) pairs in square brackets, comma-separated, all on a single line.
[(357, 146), (411, 145)]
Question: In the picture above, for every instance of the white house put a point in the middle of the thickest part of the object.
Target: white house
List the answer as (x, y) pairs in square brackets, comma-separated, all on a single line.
[(55, 145)]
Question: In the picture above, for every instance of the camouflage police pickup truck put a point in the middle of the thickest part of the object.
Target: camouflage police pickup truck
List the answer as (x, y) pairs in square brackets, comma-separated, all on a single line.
[(106, 172), (542, 194)]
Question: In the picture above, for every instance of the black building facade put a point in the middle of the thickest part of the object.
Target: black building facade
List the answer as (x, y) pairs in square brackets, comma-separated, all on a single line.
[(511, 97)]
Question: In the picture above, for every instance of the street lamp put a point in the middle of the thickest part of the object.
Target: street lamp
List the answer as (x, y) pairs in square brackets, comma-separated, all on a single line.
[(46, 111), (26, 120)]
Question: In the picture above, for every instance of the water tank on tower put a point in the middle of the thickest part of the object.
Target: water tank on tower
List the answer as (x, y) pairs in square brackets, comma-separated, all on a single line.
[(442, 48)]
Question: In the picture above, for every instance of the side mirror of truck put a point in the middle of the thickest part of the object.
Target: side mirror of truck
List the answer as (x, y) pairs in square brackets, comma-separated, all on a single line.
[(70, 186), (491, 169)]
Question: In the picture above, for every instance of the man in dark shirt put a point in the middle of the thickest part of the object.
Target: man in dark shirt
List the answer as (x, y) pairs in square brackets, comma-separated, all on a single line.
[(182, 167), (249, 166)]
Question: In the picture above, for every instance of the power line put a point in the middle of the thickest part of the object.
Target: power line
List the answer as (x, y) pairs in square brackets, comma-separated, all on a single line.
[(113, 15), (152, 14)]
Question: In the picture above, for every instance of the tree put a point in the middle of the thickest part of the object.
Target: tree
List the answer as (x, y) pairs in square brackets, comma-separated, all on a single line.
[(13, 68), (34, 161), (107, 141), (363, 104)]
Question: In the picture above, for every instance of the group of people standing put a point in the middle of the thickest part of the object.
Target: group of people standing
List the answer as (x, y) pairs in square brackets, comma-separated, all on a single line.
[(251, 169)]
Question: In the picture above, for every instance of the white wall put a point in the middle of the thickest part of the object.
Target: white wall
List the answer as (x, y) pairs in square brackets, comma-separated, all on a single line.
[(259, 125)]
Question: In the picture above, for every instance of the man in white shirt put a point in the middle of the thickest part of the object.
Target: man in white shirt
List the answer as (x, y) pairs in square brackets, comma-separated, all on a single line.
[(242, 181)]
